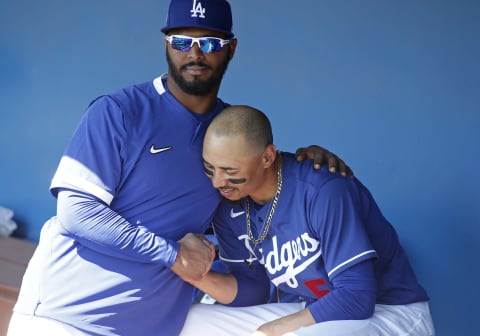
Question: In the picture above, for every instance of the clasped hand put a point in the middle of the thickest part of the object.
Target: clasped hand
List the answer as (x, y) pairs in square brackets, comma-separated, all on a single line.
[(194, 258)]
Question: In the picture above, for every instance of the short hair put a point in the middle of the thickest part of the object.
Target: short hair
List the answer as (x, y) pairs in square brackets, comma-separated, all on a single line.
[(245, 121)]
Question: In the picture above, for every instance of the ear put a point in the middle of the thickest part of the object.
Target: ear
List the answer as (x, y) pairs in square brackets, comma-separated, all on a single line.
[(269, 155)]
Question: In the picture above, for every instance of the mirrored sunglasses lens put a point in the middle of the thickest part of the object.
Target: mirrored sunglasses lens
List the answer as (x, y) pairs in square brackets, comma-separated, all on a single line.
[(209, 45), (181, 43)]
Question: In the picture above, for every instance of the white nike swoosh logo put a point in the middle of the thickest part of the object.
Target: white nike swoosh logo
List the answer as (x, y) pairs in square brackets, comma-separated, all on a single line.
[(236, 214), (154, 150)]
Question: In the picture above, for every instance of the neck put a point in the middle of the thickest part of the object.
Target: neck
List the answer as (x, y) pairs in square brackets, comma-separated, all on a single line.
[(268, 220), (267, 192), (197, 104)]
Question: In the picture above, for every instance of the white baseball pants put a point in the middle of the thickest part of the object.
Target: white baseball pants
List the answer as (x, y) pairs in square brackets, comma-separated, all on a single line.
[(399, 320)]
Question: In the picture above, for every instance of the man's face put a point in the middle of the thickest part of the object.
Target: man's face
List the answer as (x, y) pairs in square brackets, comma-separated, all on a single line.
[(197, 73), (235, 171)]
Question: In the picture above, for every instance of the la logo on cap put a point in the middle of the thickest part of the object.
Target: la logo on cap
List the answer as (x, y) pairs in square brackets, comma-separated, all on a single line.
[(213, 15), (197, 9)]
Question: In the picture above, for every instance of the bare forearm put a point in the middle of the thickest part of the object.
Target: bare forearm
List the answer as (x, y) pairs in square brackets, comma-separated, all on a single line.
[(222, 287)]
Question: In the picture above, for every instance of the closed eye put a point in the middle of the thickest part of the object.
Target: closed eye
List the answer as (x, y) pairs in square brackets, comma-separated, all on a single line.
[(230, 171), (208, 172)]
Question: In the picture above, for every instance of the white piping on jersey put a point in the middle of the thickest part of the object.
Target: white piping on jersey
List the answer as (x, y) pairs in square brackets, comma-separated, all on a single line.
[(232, 260), (158, 85), (350, 260)]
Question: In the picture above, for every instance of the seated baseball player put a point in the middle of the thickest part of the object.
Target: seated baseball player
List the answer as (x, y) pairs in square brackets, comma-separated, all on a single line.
[(316, 235)]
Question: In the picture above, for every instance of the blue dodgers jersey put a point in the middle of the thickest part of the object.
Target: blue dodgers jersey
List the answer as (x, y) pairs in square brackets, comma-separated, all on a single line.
[(323, 224), (139, 151)]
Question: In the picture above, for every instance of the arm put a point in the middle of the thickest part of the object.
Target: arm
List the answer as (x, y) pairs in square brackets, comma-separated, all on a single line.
[(320, 156), (242, 287), (336, 211), (353, 298), (93, 224), (222, 287)]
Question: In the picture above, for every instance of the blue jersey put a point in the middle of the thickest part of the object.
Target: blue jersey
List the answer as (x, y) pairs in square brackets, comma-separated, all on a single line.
[(139, 152), (323, 224)]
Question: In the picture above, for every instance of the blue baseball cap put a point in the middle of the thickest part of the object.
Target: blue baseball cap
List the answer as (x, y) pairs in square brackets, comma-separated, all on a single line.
[(207, 14)]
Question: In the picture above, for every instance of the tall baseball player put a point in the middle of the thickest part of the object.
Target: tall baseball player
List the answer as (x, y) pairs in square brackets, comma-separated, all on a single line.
[(130, 192), (313, 234)]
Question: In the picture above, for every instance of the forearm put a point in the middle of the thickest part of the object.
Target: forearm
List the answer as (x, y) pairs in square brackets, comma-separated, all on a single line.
[(353, 298), (95, 225), (220, 286)]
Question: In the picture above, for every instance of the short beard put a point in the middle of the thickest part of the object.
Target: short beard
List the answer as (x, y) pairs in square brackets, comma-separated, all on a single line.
[(197, 87)]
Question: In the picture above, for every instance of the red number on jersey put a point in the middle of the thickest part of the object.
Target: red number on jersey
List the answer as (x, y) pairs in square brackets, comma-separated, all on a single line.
[(314, 285)]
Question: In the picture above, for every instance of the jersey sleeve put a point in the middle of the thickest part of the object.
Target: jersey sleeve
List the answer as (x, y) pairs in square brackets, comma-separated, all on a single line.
[(353, 296), (92, 161), (252, 280), (338, 220), (92, 167), (94, 225)]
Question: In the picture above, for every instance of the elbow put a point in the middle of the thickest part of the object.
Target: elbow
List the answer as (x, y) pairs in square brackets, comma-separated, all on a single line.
[(65, 215), (251, 292), (256, 297), (365, 303), (73, 208)]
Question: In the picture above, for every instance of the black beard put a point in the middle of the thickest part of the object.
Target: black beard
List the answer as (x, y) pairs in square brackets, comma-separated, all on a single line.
[(197, 87)]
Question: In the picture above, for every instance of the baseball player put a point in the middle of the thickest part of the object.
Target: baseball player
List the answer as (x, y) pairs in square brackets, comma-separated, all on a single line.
[(313, 234), (131, 193)]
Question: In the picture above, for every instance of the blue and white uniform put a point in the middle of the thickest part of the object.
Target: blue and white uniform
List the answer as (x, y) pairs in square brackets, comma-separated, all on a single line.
[(137, 152), (324, 225)]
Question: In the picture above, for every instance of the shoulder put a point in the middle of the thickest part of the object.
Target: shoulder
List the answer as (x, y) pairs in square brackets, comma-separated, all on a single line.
[(319, 183), (127, 103), (134, 95), (304, 173)]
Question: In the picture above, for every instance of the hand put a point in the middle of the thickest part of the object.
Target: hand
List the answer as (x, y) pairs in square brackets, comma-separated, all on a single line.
[(285, 324), (320, 155), (273, 328), (194, 258)]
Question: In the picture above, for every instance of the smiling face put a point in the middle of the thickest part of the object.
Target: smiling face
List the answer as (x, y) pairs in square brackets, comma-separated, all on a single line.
[(235, 170), (238, 154), (195, 72)]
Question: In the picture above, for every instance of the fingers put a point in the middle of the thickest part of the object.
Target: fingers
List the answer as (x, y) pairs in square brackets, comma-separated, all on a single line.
[(321, 156), (204, 239), (338, 164), (344, 169), (318, 154), (300, 154), (313, 152), (207, 243), (194, 257), (211, 247), (333, 162)]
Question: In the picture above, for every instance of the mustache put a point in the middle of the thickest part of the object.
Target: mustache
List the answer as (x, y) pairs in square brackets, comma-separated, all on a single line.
[(225, 188), (199, 64)]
